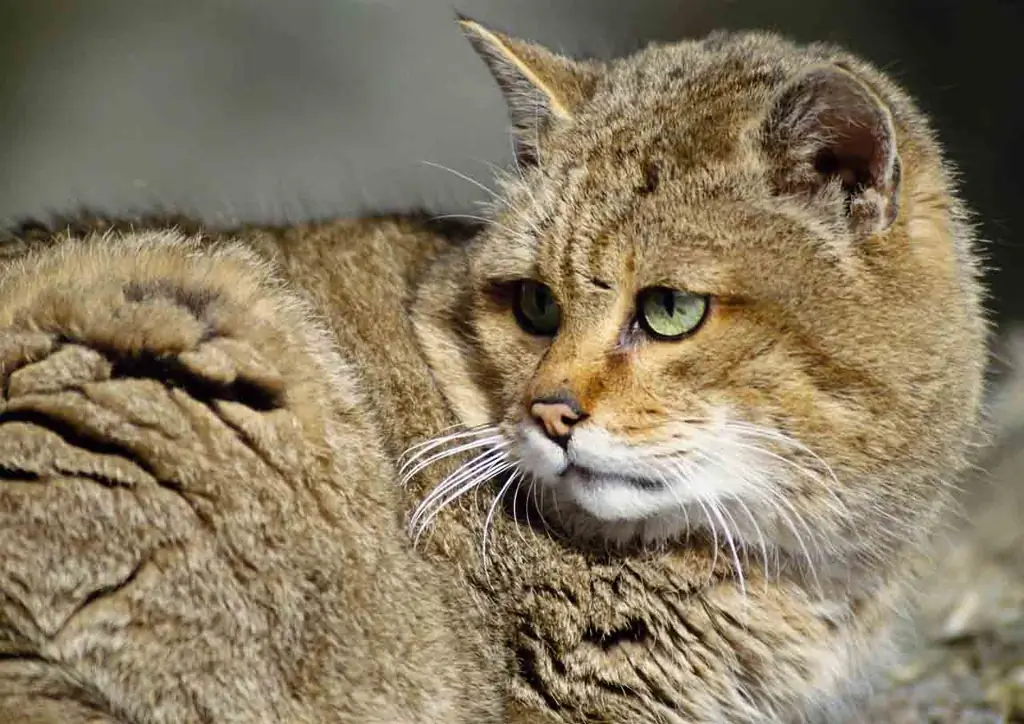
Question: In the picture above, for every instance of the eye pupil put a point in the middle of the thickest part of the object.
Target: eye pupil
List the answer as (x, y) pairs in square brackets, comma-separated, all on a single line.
[(669, 300)]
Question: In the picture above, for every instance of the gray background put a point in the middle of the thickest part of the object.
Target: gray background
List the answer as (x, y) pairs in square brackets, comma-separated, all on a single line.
[(267, 110)]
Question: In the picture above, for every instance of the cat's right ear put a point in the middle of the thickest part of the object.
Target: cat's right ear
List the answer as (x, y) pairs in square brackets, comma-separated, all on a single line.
[(541, 88), (832, 140)]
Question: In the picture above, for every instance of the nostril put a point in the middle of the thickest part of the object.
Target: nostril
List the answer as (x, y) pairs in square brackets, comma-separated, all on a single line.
[(572, 418)]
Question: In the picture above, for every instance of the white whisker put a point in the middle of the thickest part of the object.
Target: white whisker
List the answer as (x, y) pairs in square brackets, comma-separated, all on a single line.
[(667, 484), (482, 477), (495, 441), (536, 132), (538, 505), (417, 451), (519, 478), (757, 531), (515, 155), (466, 470), (839, 508), (490, 517), (470, 470), (445, 435), (714, 535), (779, 436), (489, 191), (716, 514), (716, 511), (779, 498)]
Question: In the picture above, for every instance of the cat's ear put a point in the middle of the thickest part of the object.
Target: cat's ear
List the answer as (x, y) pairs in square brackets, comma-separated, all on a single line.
[(541, 88), (831, 138)]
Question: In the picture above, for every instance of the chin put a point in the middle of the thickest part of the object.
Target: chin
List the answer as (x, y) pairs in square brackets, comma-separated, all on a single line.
[(615, 510), (615, 499)]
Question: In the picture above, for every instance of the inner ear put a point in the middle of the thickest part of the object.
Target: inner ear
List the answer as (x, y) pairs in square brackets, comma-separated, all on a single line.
[(832, 139)]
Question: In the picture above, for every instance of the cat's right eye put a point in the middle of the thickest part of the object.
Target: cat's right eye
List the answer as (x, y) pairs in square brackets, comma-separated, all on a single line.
[(536, 309), (669, 314)]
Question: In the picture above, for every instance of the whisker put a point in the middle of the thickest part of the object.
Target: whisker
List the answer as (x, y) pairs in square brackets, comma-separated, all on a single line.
[(809, 474), (489, 191), (515, 155), (519, 477), (757, 531), (779, 436), (436, 509), (796, 534), (490, 517), (414, 452), (500, 174), (667, 484), (466, 470), (536, 132), (495, 441), (714, 535), (538, 506), (715, 509), (482, 477), (715, 514), (470, 469), (757, 482), (445, 433)]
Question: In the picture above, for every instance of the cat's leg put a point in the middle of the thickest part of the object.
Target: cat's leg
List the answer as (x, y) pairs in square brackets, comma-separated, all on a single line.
[(196, 520)]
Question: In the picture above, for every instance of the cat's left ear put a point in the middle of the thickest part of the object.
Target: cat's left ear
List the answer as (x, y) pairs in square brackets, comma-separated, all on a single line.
[(831, 139), (541, 88)]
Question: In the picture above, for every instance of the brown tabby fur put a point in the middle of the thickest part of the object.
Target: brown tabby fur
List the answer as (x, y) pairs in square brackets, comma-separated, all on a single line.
[(198, 512)]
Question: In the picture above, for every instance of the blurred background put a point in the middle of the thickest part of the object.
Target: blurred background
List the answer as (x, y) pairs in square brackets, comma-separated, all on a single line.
[(266, 110), (274, 110)]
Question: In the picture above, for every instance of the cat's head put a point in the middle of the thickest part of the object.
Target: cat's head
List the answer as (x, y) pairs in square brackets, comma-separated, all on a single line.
[(727, 286)]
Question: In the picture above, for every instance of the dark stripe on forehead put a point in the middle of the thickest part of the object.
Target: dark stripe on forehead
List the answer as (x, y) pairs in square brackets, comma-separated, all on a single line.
[(565, 272), (597, 252)]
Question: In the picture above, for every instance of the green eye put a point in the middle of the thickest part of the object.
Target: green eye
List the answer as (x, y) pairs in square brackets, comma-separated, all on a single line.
[(668, 314), (536, 309)]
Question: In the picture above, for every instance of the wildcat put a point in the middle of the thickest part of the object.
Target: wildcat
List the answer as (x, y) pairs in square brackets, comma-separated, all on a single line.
[(674, 428)]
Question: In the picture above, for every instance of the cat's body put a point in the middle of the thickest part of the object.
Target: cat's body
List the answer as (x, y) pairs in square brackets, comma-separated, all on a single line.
[(228, 548), (840, 353)]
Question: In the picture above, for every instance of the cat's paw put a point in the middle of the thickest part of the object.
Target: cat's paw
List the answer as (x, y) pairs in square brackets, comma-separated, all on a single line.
[(211, 321), (165, 411)]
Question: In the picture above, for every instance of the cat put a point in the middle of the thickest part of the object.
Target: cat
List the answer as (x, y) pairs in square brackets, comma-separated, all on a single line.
[(674, 428)]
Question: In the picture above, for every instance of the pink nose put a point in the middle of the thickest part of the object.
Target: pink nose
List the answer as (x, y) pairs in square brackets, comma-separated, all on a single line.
[(557, 419)]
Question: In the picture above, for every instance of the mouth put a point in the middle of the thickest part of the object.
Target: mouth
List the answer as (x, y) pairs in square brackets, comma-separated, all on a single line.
[(588, 476)]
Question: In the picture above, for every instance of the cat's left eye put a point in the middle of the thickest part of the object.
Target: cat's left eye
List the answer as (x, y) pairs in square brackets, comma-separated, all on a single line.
[(536, 309), (670, 314)]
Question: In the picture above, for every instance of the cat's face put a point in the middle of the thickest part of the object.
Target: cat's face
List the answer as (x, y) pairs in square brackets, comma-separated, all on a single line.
[(725, 292)]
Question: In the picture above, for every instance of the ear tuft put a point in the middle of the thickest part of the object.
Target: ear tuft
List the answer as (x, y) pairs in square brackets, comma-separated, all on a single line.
[(831, 138), (541, 88)]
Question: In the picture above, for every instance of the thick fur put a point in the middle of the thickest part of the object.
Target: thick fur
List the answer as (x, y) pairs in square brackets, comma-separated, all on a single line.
[(198, 515), (199, 519)]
